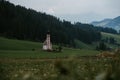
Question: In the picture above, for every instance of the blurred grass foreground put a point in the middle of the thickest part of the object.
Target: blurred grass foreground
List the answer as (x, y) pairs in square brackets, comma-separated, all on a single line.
[(60, 69)]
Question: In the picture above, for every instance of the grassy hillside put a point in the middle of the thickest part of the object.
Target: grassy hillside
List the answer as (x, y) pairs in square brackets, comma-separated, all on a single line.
[(117, 37), (11, 44), (10, 48), (81, 45), (92, 46)]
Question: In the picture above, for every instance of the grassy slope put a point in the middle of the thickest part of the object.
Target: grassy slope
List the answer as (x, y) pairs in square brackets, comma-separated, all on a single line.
[(115, 36), (92, 46), (82, 45), (10, 44), (23, 49)]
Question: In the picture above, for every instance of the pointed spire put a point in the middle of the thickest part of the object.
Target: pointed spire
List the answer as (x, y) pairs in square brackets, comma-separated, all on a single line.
[(48, 32)]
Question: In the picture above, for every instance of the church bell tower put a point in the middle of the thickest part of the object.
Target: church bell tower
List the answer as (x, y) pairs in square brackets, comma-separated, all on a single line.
[(47, 45)]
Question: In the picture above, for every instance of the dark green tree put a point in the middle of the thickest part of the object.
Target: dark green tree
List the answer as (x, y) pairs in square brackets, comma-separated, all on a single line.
[(102, 46)]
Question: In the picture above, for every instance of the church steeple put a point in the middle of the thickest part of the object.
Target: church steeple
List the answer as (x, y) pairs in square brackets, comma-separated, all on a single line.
[(47, 44), (48, 32)]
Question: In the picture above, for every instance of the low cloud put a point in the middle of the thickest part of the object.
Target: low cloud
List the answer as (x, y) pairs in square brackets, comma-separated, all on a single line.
[(85, 8)]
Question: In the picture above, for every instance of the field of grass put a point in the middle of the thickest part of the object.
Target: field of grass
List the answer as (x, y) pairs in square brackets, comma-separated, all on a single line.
[(25, 60), (10, 48), (59, 69), (44, 54), (11, 44)]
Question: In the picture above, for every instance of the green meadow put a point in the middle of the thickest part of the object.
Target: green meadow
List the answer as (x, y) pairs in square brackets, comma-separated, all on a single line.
[(10, 48), (25, 60)]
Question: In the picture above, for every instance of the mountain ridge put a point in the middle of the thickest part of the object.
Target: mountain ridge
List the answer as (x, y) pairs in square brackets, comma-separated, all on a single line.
[(110, 23)]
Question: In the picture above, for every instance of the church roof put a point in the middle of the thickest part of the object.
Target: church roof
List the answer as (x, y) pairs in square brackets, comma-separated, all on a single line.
[(48, 32)]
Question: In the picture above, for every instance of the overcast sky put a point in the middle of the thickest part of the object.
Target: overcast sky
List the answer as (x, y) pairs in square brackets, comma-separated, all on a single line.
[(75, 10)]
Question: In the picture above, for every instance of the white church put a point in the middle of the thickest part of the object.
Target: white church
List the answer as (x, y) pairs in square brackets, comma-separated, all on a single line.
[(47, 45)]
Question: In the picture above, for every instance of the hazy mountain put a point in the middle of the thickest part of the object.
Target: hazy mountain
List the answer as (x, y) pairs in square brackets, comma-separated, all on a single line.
[(111, 23), (101, 23)]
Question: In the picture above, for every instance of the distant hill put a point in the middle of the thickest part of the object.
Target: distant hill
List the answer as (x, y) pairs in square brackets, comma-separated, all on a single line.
[(101, 23), (111, 23)]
